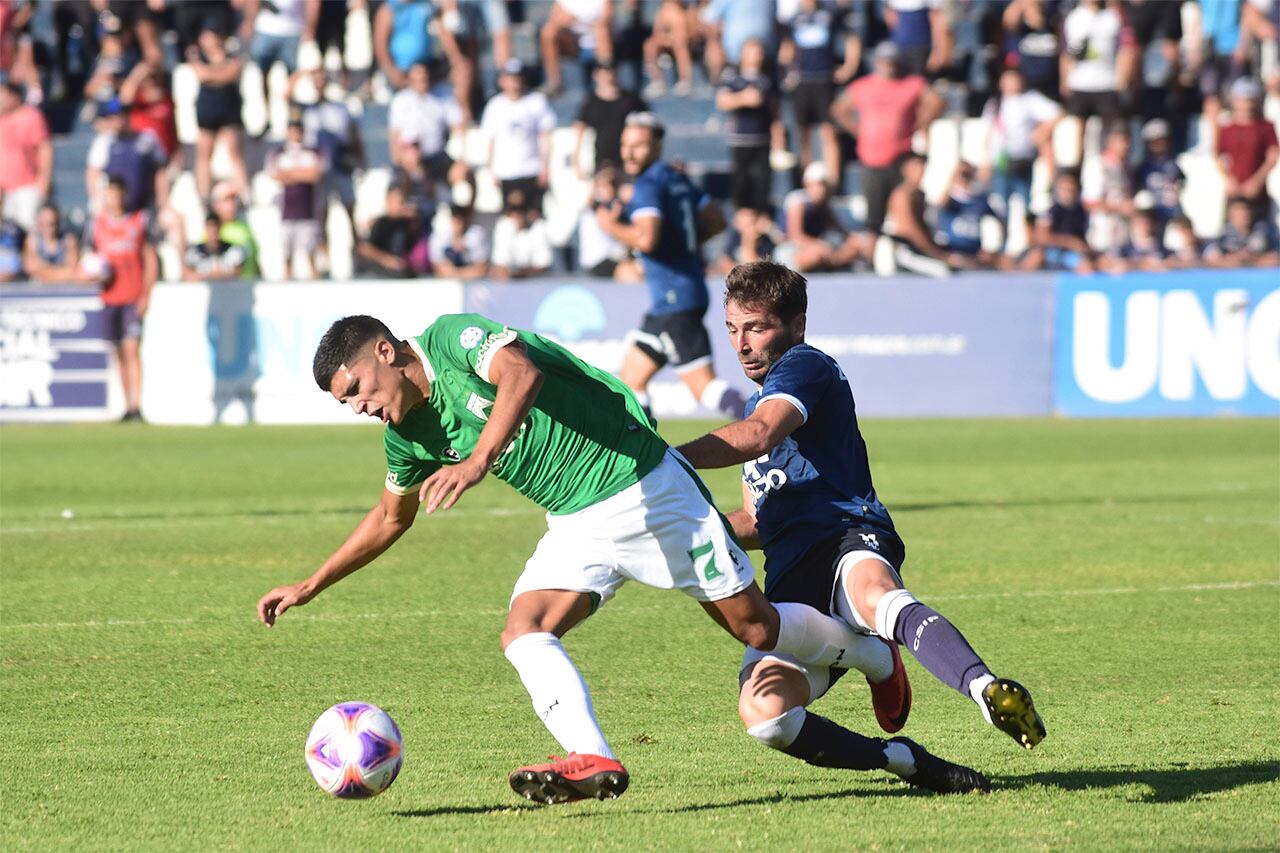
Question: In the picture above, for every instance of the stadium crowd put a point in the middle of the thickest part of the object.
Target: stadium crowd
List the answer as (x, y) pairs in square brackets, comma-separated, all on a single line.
[(830, 117)]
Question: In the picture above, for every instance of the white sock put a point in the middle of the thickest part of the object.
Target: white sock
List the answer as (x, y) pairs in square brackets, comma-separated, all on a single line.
[(975, 690), (560, 696), (822, 640), (900, 760), (713, 394)]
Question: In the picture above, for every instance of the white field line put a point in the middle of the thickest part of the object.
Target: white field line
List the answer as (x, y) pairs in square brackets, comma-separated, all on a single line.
[(1230, 586), (103, 523)]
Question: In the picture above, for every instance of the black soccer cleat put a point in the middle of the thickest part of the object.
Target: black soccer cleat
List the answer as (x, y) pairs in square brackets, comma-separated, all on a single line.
[(1011, 711), (939, 775), (575, 777)]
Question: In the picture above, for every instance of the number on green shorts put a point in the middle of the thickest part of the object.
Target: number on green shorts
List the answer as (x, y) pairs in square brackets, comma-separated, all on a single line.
[(709, 570)]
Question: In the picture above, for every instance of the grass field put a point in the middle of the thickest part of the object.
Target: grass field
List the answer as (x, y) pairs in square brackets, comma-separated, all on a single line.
[(1127, 572)]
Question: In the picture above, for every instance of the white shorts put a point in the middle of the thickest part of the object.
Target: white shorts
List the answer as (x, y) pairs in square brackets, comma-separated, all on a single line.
[(663, 532), (300, 235)]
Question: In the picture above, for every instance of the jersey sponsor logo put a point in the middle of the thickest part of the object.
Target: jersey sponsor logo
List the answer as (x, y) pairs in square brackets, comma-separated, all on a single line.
[(479, 406), (870, 540), (393, 478), (762, 482), (471, 337), (451, 454)]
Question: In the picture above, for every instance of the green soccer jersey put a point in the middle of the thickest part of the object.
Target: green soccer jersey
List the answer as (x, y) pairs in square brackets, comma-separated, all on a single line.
[(585, 439)]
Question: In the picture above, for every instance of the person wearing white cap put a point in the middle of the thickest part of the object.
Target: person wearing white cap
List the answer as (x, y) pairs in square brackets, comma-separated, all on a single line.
[(820, 241), (519, 124), (1159, 175), (1247, 147)]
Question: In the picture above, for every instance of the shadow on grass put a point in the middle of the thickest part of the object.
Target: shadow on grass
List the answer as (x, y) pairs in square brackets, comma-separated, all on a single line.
[(442, 811), (1174, 784), (1051, 501)]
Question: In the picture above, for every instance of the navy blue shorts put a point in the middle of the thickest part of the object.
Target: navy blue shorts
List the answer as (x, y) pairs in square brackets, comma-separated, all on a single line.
[(121, 322)]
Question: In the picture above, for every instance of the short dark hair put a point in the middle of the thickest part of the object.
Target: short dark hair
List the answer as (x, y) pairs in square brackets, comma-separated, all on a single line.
[(772, 286), (343, 342)]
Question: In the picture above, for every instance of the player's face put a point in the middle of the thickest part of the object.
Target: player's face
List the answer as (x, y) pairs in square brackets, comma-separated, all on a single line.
[(371, 385), (759, 337), (638, 149)]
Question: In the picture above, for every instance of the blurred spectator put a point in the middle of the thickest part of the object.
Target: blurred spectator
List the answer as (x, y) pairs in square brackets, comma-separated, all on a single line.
[(749, 96), (17, 50), (884, 110), (1247, 147), (1020, 125), (574, 28), (600, 254), (960, 214), (419, 116), (1090, 84), (820, 242), (730, 24), (11, 240), (232, 228), (1107, 190), (410, 174), (1215, 58), (298, 169), (480, 27), (461, 249), (217, 108), (405, 32), (213, 259), (122, 242), (1158, 174), (1060, 242), (1185, 248), (273, 29), (676, 30), (1159, 23), (519, 124), (26, 158), (1247, 240), (605, 111), (117, 57), (1260, 40), (190, 17), (809, 54), (920, 30), (146, 96), (52, 255), (140, 22), (750, 239), (136, 159), (521, 245), (329, 127), (392, 237), (331, 32), (1142, 251), (914, 247), (1032, 45)]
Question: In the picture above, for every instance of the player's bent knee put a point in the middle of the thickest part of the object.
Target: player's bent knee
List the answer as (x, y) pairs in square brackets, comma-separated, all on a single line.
[(781, 731)]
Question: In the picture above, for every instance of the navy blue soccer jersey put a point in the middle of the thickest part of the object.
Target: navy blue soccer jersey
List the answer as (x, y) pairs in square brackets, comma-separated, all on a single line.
[(817, 481), (674, 272), (959, 226)]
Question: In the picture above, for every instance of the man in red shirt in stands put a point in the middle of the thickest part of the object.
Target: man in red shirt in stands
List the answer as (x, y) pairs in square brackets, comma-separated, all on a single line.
[(26, 158), (1247, 148), (884, 110), (123, 241)]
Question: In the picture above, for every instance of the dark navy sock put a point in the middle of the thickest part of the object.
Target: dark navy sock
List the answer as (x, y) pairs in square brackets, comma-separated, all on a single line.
[(822, 743), (938, 646)]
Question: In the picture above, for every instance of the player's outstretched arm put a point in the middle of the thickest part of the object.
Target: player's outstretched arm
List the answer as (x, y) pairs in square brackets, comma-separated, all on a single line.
[(742, 441), (518, 381), (384, 524)]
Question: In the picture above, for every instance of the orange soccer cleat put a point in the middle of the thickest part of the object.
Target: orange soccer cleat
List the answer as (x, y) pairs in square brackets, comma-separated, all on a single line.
[(575, 777), (891, 698)]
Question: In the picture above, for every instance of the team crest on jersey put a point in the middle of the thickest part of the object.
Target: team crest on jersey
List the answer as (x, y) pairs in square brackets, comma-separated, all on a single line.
[(869, 539), (471, 337), (451, 454)]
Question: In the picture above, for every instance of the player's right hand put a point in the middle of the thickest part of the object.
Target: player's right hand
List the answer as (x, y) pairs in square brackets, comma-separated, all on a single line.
[(281, 599)]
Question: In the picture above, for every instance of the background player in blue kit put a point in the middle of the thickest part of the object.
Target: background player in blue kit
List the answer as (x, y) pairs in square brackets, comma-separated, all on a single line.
[(808, 500), (667, 221)]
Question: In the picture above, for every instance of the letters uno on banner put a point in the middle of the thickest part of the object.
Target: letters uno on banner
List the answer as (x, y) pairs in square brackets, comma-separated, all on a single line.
[(1187, 343), (234, 352), (54, 364)]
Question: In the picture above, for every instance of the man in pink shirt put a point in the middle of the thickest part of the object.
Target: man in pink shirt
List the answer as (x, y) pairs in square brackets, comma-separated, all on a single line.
[(26, 158), (884, 110)]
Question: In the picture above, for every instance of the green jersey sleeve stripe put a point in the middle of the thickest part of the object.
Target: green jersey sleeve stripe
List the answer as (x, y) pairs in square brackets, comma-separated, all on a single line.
[(489, 349)]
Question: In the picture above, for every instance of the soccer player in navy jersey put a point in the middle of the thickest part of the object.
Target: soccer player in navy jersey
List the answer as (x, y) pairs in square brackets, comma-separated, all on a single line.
[(667, 221), (809, 502)]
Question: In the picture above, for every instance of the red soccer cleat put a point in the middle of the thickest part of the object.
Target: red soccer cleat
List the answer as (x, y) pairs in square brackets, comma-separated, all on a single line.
[(891, 698), (576, 777)]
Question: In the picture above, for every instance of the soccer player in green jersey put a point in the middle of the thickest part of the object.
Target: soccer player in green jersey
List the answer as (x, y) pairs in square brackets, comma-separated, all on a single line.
[(470, 396)]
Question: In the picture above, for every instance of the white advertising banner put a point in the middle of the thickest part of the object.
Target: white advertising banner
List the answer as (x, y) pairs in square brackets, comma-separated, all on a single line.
[(234, 352)]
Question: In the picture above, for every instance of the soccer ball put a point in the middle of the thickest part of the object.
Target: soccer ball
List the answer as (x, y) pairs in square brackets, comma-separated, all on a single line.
[(354, 750)]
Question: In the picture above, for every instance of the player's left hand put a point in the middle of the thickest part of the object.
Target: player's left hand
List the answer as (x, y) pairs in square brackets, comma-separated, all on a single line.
[(443, 488)]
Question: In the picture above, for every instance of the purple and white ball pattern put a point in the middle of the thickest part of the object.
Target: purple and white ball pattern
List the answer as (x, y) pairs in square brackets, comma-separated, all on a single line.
[(354, 750)]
